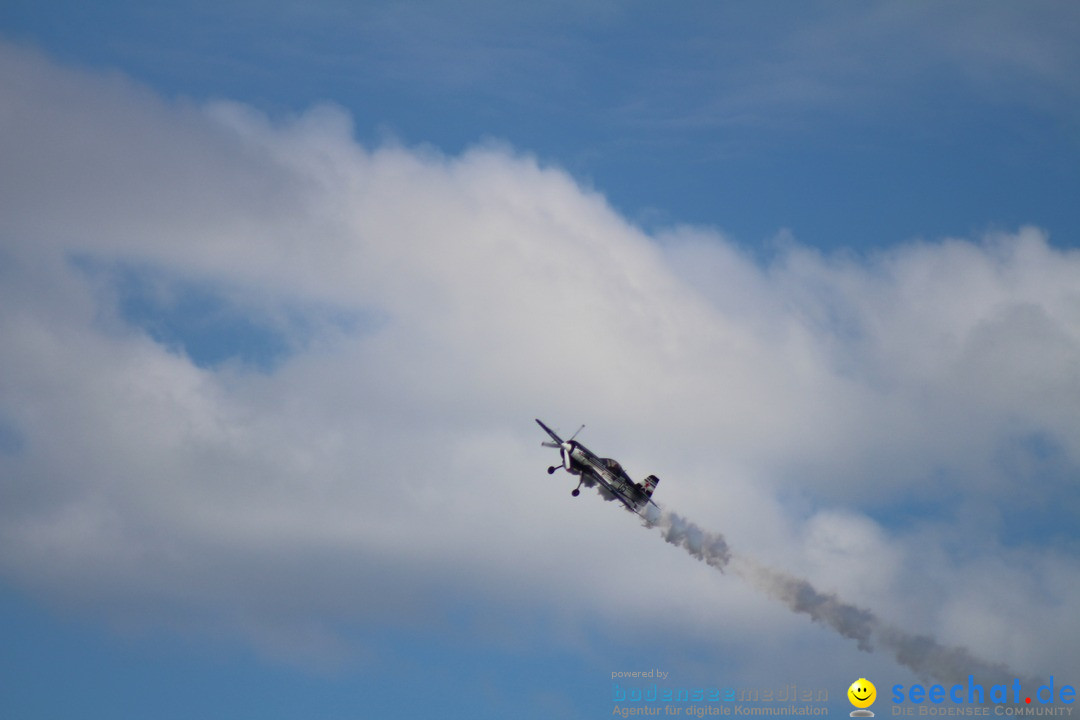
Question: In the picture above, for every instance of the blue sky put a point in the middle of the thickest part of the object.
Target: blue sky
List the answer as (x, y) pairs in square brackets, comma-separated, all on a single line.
[(848, 126), (283, 286)]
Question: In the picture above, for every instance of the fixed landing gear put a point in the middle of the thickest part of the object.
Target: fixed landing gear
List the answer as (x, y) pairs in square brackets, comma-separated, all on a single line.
[(576, 491)]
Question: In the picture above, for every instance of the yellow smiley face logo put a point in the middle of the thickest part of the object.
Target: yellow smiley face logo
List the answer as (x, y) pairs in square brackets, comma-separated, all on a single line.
[(862, 693)]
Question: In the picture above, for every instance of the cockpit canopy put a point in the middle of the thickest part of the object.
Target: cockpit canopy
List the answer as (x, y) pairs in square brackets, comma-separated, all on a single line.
[(613, 465)]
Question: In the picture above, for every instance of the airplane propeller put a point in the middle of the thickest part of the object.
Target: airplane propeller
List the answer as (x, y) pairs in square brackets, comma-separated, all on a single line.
[(565, 448), (548, 443)]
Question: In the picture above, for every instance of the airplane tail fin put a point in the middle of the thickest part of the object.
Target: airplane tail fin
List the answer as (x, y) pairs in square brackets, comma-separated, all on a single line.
[(649, 485)]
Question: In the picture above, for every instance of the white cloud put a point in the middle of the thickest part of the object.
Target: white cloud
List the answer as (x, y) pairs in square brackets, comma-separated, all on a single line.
[(797, 405)]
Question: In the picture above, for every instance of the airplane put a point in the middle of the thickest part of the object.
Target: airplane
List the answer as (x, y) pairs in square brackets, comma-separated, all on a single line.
[(615, 484)]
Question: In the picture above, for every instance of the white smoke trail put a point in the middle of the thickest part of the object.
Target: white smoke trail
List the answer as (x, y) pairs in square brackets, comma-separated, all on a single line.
[(929, 659), (710, 548), (926, 657)]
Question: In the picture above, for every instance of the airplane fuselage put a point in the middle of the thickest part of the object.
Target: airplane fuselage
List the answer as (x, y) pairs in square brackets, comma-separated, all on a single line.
[(614, 483)]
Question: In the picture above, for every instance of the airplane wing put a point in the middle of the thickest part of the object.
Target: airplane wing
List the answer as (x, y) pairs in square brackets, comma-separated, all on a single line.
[(617, 485), (549, 431), (637, 505)]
